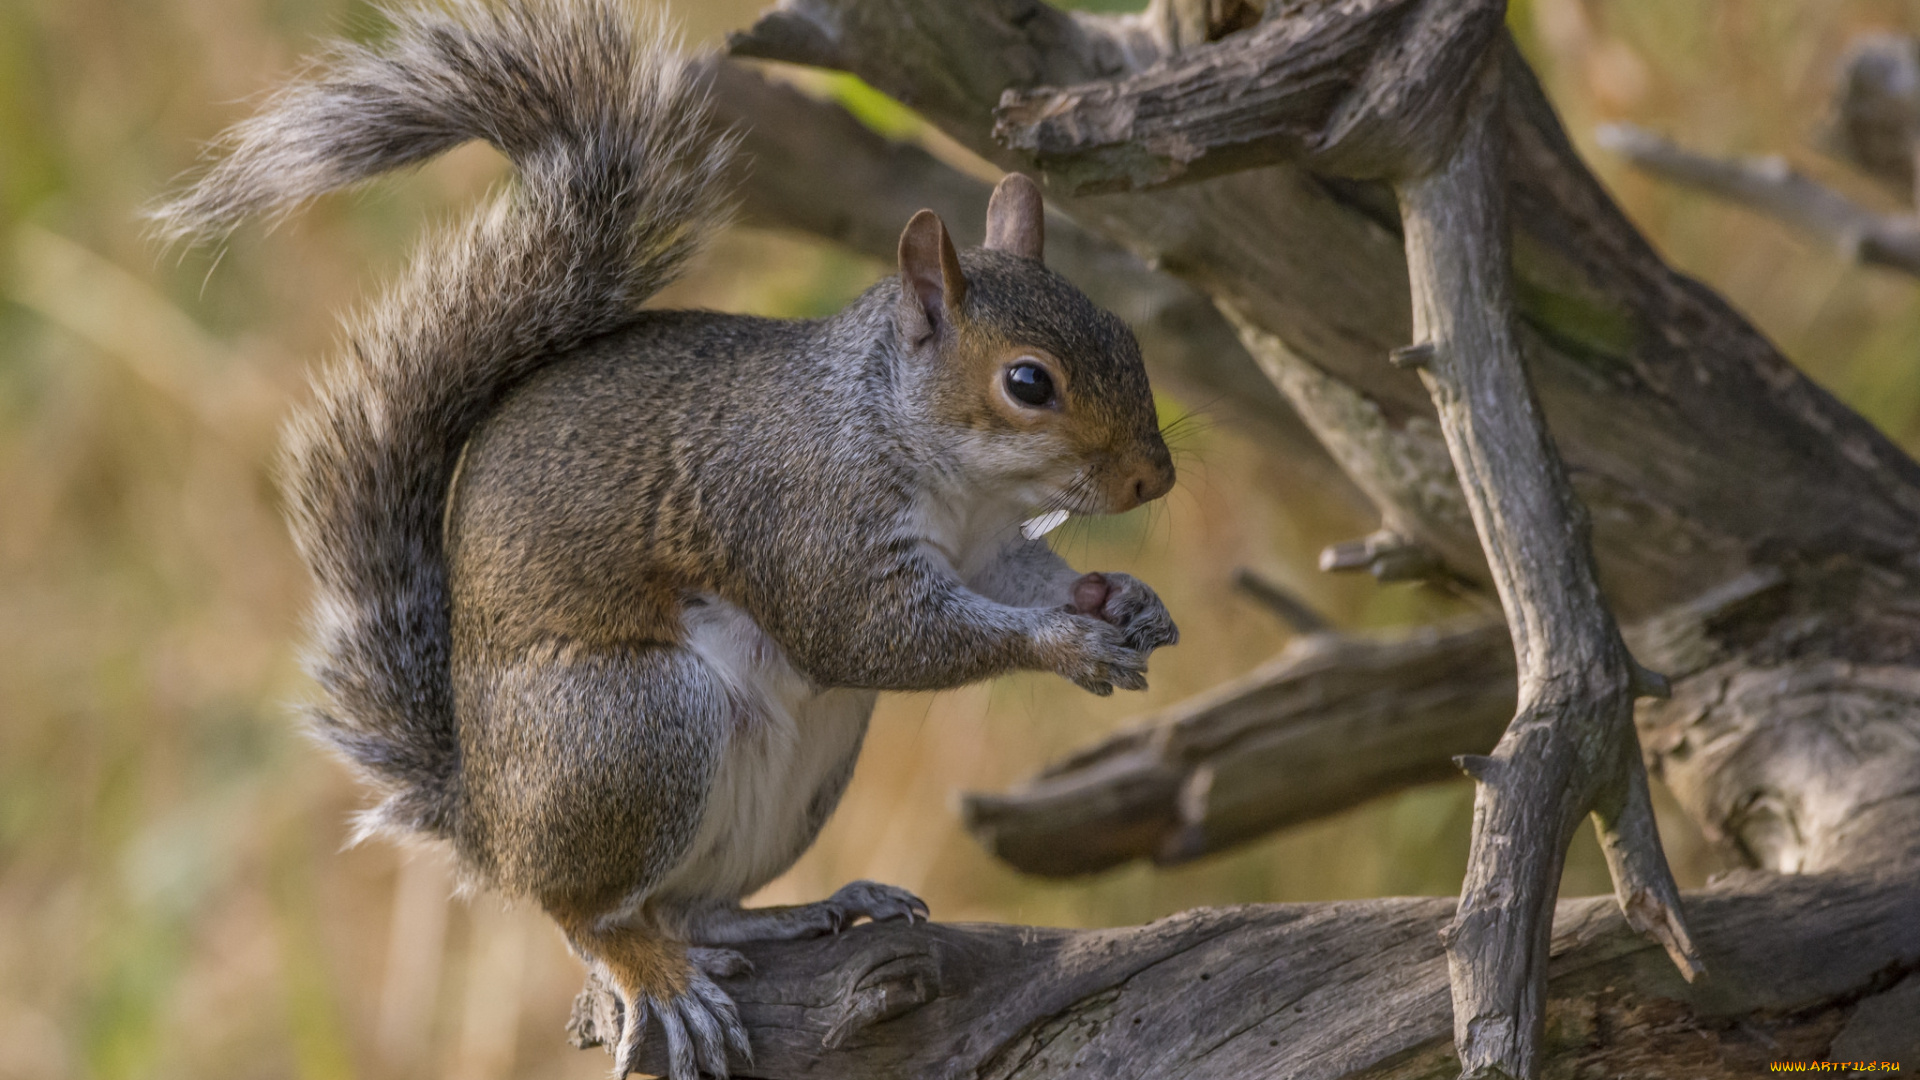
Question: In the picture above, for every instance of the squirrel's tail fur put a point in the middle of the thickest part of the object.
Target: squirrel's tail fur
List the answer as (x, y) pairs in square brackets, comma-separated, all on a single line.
[(619, 180)]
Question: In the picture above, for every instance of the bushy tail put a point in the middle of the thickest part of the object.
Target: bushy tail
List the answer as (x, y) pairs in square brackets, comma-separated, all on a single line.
[(619, 181)]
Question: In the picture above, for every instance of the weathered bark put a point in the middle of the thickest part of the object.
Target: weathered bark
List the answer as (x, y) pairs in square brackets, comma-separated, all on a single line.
[(1698, 449), (1571, 749), (1803, 968)]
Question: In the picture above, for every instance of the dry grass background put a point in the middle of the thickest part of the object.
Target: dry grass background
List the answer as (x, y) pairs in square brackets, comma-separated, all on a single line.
[(174, 900)]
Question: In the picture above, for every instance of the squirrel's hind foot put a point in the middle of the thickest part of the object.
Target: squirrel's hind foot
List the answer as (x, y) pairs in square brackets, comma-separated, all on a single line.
[(641, 984)]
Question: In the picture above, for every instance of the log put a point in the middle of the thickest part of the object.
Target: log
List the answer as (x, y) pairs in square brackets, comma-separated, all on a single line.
[(1803, 968)]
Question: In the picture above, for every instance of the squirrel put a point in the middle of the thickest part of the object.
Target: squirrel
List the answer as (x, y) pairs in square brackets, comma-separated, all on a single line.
[(605, 594)]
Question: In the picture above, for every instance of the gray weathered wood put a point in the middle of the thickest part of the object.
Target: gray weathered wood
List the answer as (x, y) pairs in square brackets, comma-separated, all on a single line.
[(1876, 110), (1571, 749), (1705, 458), (1340, 991)]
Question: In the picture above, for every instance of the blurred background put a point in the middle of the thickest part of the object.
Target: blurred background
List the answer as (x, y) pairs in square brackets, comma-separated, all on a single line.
[(175, 900)]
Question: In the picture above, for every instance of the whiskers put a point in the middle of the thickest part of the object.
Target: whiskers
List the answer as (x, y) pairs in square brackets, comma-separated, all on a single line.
[(1182, 433)]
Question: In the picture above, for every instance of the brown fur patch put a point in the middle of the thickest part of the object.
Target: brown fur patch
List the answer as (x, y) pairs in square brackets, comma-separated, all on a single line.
[(642, 961)]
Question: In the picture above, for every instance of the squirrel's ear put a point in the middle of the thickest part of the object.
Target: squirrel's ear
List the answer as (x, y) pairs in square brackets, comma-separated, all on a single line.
[(932, 288), (1016, 218)]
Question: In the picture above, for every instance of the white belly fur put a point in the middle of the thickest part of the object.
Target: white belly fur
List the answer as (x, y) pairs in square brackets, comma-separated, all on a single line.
[(788, 742)]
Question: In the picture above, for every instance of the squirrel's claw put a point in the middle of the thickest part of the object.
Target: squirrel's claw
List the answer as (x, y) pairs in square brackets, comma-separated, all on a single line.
[(701, 1025), (873, 900)]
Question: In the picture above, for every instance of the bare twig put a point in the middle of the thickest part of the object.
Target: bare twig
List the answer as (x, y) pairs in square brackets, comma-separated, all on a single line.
[(1876, 114), (1774, 188), (1386, 555)]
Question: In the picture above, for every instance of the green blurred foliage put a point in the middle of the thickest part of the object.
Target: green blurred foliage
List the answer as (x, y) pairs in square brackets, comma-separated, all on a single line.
[(173, 894)]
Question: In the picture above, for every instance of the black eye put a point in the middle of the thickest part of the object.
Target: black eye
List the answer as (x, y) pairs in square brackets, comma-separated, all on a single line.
[(1030, 384)]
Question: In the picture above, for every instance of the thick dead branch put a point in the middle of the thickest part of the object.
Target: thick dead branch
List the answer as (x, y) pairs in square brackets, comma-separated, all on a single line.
[(1331, 723), (1362, 88), (1571, 749), (1774, 188), (1790, 764), (1804, 968), (1701, 452), (1794, 759)]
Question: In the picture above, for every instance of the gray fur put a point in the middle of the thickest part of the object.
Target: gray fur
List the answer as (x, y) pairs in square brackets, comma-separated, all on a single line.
[(619, 182)]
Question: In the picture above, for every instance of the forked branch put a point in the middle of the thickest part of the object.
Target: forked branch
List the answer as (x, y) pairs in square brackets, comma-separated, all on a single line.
[(1571, 750)]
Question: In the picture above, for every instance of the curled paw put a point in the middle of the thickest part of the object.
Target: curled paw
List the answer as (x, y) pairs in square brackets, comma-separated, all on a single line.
[(1126, 602), (858, 900)]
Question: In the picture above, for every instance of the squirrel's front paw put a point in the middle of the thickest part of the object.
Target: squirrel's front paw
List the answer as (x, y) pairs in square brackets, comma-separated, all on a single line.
[(1096, 655), (1128, 603)]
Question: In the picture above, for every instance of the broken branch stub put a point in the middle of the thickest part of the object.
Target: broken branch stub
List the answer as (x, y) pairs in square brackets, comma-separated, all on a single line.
[(1359, 88)]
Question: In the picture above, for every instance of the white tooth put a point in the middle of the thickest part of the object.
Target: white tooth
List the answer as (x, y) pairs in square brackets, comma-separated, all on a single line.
[(1036, 527)]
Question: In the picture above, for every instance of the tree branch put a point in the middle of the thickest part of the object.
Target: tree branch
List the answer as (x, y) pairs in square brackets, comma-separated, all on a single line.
[(1876, 121), (1802, 967), (1772, 187), (1571, 749), (1332, 722)]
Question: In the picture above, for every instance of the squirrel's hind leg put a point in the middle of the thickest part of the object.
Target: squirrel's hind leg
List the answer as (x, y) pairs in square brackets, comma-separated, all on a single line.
[(732, 925), (649, 981), (587, 773)]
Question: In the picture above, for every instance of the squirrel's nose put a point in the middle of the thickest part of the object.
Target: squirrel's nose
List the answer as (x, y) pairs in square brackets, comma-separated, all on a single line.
[(1150, 480)]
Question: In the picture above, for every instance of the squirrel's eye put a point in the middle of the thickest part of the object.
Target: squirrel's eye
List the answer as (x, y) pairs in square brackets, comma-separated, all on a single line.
[(1030, 384)]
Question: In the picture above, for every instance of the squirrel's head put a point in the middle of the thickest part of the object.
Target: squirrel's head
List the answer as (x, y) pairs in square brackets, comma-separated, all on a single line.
[(1041, 392)]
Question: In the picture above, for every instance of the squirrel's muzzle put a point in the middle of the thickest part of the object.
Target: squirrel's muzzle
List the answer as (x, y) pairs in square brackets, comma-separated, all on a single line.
[(1144, 479)]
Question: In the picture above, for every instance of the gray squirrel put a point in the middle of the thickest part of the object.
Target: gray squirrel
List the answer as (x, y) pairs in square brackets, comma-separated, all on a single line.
[(605, 594)]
